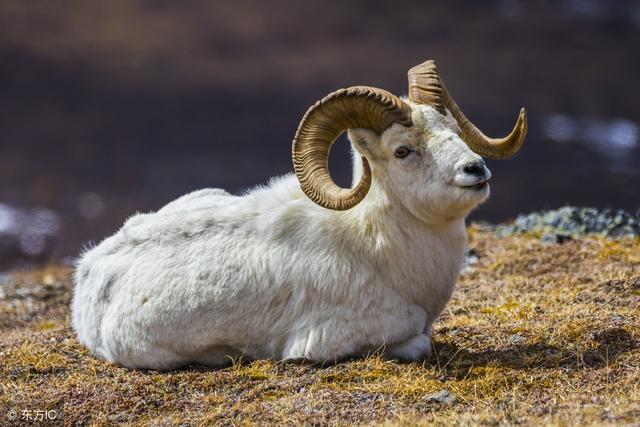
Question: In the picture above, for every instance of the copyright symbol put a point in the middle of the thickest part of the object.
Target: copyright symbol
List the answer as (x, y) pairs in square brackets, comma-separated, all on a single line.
[(12, 415)]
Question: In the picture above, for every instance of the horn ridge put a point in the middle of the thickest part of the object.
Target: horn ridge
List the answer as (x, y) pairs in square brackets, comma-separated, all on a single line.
[(425, 86)]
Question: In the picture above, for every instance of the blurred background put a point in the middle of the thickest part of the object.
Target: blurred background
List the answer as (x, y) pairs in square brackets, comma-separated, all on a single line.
[(108, 108)]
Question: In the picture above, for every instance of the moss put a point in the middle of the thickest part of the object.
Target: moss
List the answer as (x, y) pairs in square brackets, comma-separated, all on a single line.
[(255, 370), (32, 358), (510, 310), (47, 325)]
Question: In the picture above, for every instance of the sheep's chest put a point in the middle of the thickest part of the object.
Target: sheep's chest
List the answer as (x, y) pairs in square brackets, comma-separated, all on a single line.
[(429, 279)]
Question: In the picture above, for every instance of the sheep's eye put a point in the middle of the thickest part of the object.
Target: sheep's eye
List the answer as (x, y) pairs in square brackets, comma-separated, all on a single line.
[(402, 152)]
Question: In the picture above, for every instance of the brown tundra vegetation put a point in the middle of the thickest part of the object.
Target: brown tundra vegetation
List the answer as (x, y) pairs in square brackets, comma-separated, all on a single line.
[(536, 334)]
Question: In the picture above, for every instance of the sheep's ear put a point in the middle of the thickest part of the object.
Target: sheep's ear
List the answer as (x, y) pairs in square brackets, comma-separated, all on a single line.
[(366, 141)]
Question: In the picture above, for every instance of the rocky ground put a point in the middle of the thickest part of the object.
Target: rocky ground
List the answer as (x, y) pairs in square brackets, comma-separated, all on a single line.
[(540, 331)]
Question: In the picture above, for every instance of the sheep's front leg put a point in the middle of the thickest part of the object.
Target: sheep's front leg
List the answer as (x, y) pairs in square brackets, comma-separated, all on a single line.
[(360, 333), (413, 349)]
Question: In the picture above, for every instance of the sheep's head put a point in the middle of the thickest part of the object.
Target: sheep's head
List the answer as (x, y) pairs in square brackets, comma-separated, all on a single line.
[(423, 150)]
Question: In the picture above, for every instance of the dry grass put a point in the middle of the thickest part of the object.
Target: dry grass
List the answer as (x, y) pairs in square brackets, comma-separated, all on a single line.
[(535, 334)]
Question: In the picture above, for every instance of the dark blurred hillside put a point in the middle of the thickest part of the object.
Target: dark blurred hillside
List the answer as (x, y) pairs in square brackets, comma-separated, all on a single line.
[(112, 107)]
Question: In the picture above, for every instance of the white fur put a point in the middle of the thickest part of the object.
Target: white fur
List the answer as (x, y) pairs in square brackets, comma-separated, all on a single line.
[(272, 275)]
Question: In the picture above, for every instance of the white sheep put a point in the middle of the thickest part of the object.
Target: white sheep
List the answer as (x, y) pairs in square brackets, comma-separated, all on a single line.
[(301, 268)]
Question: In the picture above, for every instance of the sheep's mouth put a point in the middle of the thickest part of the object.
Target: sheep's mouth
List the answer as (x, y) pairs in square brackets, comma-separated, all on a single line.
[(478, 186)]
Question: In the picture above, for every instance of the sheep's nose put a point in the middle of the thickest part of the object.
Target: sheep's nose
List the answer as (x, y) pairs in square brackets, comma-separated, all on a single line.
[(475, 168)]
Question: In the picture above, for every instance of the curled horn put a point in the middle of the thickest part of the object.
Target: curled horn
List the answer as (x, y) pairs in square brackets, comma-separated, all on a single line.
[(426, 87), (355, 107), (494, 148)]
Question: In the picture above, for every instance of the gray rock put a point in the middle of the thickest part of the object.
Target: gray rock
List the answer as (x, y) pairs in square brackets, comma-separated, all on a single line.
[(555, 238), (442, 396), (470, 259), (516, 339)]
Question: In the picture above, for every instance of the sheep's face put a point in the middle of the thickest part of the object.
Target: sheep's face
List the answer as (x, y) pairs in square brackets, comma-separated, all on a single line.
[(426, 167)]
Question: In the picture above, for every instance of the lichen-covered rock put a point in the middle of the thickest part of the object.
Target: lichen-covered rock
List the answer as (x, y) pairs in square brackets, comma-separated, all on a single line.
[(574, 221)]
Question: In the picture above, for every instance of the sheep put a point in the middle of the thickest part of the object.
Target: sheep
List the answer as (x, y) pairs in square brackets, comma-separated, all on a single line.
[(301, 268)]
